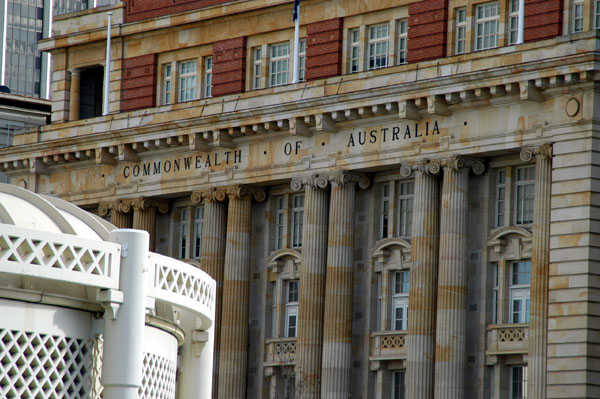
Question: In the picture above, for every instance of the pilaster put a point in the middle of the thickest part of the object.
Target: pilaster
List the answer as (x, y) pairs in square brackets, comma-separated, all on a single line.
[(451, 319), (144, 214), (337, 332), (75, 94), (540, 255), (236, 288), (312, 287), (423, 281), (212, 257)]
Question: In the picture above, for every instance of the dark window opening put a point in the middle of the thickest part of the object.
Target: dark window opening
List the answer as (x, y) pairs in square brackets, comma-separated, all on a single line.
[(91, 92)]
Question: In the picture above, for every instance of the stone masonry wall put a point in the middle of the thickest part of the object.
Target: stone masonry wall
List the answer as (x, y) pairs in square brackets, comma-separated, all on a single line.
[(427, 30), (543, 19), (138, 86), (324, 49), (229, 66)]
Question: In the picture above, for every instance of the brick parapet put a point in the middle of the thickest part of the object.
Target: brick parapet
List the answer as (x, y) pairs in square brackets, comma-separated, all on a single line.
[(427, 30), (543, 19), (324, 49), (138, 84), (229, 66), (139, 10)]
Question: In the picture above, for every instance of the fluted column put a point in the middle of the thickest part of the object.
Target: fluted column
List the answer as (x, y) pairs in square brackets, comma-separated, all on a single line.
[(312, 288), (75, 95), (144, 214), (423, 281), (119, 218), (540, 253), (451, 323), (337, 331), (236, 287), (212, 257)]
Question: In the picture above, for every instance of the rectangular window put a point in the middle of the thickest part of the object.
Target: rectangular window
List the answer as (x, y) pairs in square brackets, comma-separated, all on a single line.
[(297, 219), (500, 196), (354, 50), (385, 210), (302, 60), (577, 16), (518, 382), (183, 234), (273, 287), (256, 67), (399, 385), (291, 308), (402, 41), (379, 41), (524, 192), (486, 26), (513, 21), (495, 295), (198, 223), (167, 85), (279, 217), (280, 59), (596, 14), (187, 80), (406, 191), (520, 277), (400, 300), (461, 30), (207, 77)]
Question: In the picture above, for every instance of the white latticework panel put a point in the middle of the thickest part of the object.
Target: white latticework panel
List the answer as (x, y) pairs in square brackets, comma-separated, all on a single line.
[(59, 257), (44, 366), (158, 381)]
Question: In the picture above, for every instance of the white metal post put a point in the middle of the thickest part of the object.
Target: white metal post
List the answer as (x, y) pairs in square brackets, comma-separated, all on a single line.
[(123, 353), (521, 22), (107, 66), (296, 48)]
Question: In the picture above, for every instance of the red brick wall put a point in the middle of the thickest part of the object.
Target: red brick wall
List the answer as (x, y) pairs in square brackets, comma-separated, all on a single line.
[(543, 19), (229, 66), (427, 30), (138, 84), (137, 10), (324, 49)]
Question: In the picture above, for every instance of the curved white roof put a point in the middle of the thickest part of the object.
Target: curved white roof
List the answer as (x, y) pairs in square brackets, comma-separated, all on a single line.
[(23, 208)]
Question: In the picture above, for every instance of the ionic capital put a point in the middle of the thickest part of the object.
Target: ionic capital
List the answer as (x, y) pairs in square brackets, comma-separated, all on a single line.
[(104, 208), (243, 192), (144, 204), (210, 195), (542, 152), (459, 162), (420, 167), (335, 178)]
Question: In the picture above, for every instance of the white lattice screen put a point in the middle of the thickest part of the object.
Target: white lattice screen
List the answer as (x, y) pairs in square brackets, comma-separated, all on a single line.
[(158, 381), (34, 365)]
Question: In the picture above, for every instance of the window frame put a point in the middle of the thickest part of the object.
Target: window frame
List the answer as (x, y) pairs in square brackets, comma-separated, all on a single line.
[(519, 292), (302, 60), (400, 297), (183, 234), (354, 50), (257, 68), (279, 221), (405, 208), (297, 220), (276, 61), (384, 210), (596, 14), (513, 22), (460, 36), (398, 384), (526, 204), (208, 75), (483, 22), (292, 300), (522, 382), (166, 95), (372, 44), (198, 227), (402, 41), (182, 77)]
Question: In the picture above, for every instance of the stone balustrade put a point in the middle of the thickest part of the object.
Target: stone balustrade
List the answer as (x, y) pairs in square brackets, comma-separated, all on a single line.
[(280, 351), (388, 345), (504, 339)]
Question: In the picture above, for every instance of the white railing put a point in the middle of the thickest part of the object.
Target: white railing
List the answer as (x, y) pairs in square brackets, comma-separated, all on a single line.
[(60, 257), (182, 285), (388, 345), (507, 338), (280, 351)]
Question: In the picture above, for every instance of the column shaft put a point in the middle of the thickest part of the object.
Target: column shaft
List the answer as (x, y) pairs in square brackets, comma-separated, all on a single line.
[(121, 220), (337, 332), (540, 252), (450, 354), (423, 288), (75, 95), (145, 219), (212, 262), (236, 285), (312, 293)]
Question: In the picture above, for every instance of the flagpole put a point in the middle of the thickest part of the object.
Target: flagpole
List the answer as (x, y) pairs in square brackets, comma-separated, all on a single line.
[(296, 46), (107, 66)]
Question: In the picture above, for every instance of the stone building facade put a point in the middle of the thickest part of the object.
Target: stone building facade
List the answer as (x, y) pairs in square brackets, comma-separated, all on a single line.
[(415, 219)]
